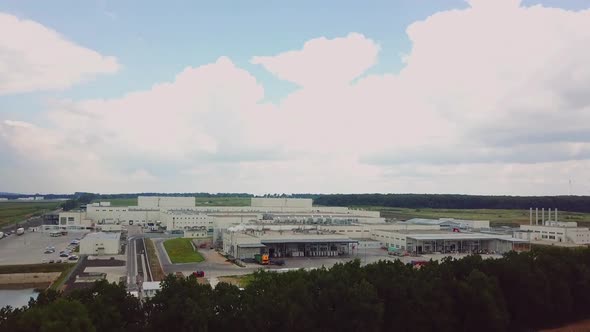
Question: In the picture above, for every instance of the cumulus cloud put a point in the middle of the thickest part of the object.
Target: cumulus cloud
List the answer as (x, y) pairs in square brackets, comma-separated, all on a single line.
[(34, 57), (323, 61), (479, 107)]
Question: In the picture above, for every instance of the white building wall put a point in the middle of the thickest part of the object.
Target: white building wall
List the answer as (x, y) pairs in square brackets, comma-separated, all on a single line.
[(96, 245), (122, 214), (165, 202), (282, 202), (177, 221), (390, 239), (74, 218)]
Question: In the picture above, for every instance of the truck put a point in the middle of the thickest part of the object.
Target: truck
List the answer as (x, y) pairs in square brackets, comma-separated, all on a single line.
[(20, 231), (261, 259)]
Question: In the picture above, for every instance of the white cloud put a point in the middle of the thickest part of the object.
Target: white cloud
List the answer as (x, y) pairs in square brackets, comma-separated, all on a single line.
[(324, 61), (34, 57), (479, 107)]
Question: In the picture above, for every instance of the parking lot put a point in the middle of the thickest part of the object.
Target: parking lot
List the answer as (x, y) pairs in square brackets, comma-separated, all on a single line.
[(29, 247)]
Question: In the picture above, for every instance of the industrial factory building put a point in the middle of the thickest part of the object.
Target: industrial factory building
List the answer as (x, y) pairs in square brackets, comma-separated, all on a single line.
[(181, 213), (246, 241), (546, 228)]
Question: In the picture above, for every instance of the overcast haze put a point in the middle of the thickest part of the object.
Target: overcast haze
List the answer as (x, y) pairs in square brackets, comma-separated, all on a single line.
[(476, 97)]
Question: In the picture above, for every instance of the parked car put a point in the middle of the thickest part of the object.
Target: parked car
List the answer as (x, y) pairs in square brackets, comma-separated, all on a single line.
[(199, 274), (73, 258), (51, 261), (64, 254), (48, 251)]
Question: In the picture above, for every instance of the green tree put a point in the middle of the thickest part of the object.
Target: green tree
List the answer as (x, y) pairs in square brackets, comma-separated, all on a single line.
[(58, 316)]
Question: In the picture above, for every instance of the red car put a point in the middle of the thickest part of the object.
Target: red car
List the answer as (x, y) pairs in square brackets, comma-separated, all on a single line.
[(199, 274)]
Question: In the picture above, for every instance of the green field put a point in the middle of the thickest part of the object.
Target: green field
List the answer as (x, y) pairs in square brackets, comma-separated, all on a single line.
[(497, 217), (180, 250), (200, 201), (118, 201), (11, 212), (223, 201)]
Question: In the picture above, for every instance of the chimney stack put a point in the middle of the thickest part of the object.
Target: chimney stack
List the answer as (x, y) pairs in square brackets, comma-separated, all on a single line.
[(556, 215), (543, 216), (531, 216), (536, 216)]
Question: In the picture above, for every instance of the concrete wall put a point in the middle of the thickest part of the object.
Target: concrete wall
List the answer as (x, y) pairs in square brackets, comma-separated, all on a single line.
[(196, 234), (122, 214), (282, 202), (390, 239), (165, 202), (74, 218), (176, 221)]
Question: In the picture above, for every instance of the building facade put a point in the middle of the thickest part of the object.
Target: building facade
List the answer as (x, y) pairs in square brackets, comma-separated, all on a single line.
[(100, 243)]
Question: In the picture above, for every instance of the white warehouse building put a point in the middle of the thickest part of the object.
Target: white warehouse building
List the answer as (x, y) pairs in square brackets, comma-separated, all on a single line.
[(100, 243)]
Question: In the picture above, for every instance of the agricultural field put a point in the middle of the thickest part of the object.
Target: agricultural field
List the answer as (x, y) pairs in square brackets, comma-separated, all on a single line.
[(496, 217), (180, 250), (11, 212), (200, 201)]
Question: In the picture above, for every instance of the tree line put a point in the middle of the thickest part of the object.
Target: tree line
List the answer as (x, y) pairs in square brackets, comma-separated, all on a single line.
[(519, 292), (447, 201)]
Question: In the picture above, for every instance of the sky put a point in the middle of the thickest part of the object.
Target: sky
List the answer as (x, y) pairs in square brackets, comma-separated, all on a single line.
[(405, 96)]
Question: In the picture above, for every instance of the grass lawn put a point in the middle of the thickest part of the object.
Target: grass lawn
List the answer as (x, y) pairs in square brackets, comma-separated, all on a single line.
[(11, 212), (180, 250), (497, 217), (157, 272), (240, 281), (61, 279)]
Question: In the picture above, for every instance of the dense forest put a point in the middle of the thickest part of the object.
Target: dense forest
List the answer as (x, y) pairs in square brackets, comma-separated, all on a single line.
[(519, 292), (446, 201), (435, 201)]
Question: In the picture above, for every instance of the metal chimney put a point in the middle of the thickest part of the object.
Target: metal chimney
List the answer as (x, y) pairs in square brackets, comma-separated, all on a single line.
[(543, 216), (556, 215), (531, 216), (536, 216), (548, 218)]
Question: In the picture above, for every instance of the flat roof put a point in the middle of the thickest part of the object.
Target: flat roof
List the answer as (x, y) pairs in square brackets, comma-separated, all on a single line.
[(102, 235), (182, 211), (457, 236), (316, 240), (251, 245), (151, 285)]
